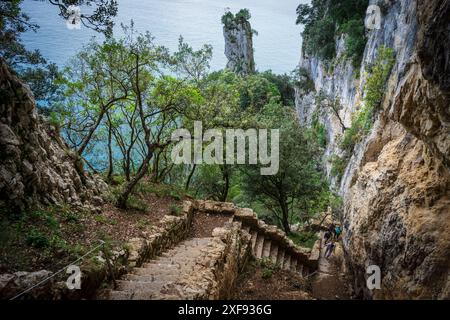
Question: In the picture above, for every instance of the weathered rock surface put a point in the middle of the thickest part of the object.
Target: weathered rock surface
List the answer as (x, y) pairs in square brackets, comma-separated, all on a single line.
[(13, 284), (239, 45), (396, 187), (36, 165)]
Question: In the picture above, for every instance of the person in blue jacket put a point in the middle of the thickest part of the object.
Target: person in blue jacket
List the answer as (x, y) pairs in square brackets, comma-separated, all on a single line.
[(337, 232)]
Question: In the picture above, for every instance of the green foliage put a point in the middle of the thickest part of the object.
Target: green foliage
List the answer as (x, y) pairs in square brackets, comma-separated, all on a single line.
[(174, 209), (373, 94), (266, 273), (104, 219), (256, 91), (268, 268), (37, 239), (338, 165), (317, 132), (304, 239), (136, 203), (143, 224), (161, 190), (355, 42), (302, 80), (284, 84), (378, 74), (230, 20), (297, 190), (324, 20)]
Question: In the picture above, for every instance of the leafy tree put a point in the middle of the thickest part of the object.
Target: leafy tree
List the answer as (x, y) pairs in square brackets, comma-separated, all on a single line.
[(127, 85), (284, 84), (99, 18), (30, 65), (298, 190), (330, 105), (324, 20)]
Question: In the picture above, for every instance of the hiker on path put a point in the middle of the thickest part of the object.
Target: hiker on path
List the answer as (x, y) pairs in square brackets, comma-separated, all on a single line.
[(327, 236), (331, 228), (337, 232), (329, 249)]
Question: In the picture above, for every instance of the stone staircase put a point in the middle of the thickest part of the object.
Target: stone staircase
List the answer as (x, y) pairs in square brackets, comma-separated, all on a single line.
[(279, 253), (152, 280), (206, 268), (268, 241)]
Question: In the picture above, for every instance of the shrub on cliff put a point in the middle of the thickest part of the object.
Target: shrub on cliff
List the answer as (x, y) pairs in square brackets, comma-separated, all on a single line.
[(362, 122), (324, 20), (229, 20)]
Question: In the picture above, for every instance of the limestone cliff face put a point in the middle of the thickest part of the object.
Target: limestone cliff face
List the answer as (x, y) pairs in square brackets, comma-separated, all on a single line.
[(238, 36), (36, 165), (396, 187)]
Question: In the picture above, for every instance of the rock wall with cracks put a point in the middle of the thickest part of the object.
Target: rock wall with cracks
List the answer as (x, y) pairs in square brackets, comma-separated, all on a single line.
[(396, 185), (36, 165)]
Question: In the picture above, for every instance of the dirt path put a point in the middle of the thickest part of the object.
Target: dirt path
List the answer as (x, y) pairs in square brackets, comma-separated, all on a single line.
[(329, 283), (264, 282)]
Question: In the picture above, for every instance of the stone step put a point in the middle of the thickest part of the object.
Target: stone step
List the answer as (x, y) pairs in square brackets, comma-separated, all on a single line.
[(300, 268), (134, 295), (151, 277), (266, 248), (280, 257), (157, 285), (254, 235), (287, 262), (174, 260), (293, 266), (120, 295), (259, 246), (160, 264), (305, 271), (273, 253), (148, 281)]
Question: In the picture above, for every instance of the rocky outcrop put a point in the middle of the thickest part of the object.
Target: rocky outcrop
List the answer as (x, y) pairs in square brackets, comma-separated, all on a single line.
[(36, 165), (396, 186), (238, 35)]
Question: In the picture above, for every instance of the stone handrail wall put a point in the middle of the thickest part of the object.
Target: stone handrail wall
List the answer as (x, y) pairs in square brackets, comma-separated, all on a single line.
[(217, 269), (171, 231), (304, 257)]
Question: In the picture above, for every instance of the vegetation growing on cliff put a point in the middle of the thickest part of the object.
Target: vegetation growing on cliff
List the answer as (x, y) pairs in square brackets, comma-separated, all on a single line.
[(229, 20), (374, 90), (326, 20)]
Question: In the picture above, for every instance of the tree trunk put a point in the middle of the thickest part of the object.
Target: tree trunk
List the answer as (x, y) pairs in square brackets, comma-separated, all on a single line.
[(155, 177), (285, 217), (123, 198), (226, 178), (188, 182), (110, 151)]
